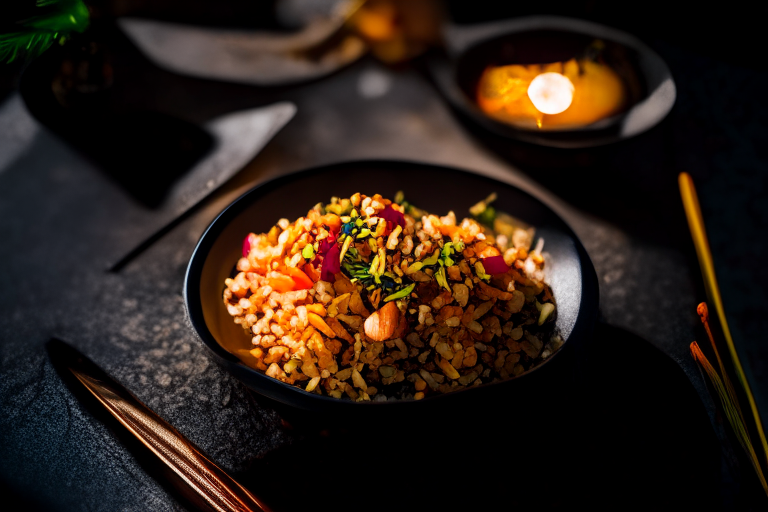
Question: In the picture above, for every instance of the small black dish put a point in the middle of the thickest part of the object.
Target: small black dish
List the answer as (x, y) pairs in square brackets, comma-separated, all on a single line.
[(542, 39), (83, 91), (439, 189)]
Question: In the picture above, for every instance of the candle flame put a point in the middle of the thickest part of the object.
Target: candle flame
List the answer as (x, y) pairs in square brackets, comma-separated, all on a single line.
[(551, 93)]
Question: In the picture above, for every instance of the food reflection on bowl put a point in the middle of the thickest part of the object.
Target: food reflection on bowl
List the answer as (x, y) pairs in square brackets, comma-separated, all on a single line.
[(571, 276)]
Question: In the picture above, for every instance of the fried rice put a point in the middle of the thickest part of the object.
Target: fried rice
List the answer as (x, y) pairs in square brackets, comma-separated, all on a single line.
[(372, 299)]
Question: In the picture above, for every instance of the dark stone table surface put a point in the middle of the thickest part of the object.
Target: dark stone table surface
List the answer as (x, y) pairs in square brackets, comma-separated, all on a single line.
[(644, 431)]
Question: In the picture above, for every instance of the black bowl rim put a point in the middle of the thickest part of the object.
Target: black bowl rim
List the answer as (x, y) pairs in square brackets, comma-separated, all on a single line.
[(586, 317)]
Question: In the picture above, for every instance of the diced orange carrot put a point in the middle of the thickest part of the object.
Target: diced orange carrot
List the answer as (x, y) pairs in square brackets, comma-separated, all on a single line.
[(313, 274), (448, 230), (281, 284), (300, 279), (332, 221), (489, 251)]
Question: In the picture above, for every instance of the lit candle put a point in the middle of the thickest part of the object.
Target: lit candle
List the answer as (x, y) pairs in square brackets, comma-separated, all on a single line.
[(551, 93), (560, 95)]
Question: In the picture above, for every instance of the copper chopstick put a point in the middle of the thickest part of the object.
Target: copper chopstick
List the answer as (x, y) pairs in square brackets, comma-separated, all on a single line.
[(211, 484)]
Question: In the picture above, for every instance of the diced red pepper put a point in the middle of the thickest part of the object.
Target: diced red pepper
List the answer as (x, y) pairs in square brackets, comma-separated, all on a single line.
[(494, 265), (326, 244), (247, 246), (331, 264), (391, 215)]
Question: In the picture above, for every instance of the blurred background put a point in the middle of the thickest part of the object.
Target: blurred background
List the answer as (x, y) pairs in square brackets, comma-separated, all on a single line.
[(726, 32)]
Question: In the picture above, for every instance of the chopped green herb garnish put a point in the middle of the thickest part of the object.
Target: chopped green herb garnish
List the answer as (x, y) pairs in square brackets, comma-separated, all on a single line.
[(483, 212), (374, 268), (345, 247), (414, 267), (432, 260), (401, 293), (441, 280), (448, 250), (410, 209), (480, 271), (339, 207), (371, 275), (487, 217)]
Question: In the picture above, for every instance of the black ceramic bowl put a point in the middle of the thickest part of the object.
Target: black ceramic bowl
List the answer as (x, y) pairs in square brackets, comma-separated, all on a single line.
[(542, 39), (438, 189)]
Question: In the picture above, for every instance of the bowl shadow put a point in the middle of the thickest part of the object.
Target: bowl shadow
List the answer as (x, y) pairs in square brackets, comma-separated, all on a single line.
[(632, 434)]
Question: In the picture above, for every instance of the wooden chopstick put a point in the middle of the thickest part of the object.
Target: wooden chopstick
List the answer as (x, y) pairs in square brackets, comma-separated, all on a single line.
[(696, 225)]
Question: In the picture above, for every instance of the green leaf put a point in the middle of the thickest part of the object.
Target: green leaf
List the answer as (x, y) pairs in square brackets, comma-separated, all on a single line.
[(37, 34), (12, 45), (66, 16)]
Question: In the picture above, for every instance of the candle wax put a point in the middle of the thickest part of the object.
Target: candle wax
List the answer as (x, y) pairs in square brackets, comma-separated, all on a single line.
[(598, 92)]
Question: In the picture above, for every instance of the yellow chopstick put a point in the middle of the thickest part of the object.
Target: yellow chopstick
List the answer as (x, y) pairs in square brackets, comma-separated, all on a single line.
[(696, 225)]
